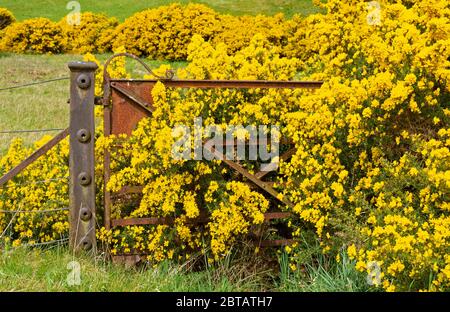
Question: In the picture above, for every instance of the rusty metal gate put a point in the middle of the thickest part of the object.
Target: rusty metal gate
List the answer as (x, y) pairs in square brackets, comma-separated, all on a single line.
[(126, 102)]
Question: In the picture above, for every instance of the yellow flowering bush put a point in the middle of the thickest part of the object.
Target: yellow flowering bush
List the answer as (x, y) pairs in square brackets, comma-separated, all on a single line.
[(188, 189), (165, 32), (94, 34), (42, 187), (37, 35), (371, 172), (372, 160), (6, 18), (371, 167), (160, 33), (237, 31)]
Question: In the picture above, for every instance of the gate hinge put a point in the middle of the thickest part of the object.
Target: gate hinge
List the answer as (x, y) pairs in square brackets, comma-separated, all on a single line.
[(98, 101)]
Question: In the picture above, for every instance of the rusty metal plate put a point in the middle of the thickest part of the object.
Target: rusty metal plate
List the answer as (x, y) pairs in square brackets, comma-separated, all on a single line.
[(125, 114)]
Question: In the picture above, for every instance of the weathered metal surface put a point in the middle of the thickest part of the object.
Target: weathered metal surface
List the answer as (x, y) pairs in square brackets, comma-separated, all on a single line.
[(133, 97), (276, 215), (108, 128), (275, 242), (82, 174), (125, 114), (231, 84), (283, 157), (119, 124), (170, 221), (33, 157)]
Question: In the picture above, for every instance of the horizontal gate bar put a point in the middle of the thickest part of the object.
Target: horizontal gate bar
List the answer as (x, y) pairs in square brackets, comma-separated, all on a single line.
[(251, 177), (276, 242), (33, 157), (170, 221), (283, 157), (155, 221), (244, 84)]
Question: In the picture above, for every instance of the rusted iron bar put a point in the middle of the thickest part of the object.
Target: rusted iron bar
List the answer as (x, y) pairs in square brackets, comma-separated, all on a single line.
[(170, 221), (275, 243), (276, 215), (33, 157), (251, 177), (130, 190), (283, 157), (82, 163), (232, 84), (156, 221)]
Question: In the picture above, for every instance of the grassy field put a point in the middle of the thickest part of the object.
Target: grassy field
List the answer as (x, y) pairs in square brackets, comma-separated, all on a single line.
[(47, 270), (56, 9)]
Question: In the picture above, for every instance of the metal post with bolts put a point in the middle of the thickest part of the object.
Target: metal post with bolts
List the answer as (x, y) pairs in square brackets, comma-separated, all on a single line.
[(82, 163)]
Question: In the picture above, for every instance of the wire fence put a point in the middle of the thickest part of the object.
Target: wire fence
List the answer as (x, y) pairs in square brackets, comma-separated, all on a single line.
[(58, 241), (35, 83), (14, 213), (30, 84), (35, 211), (34, 183), (30, 131)]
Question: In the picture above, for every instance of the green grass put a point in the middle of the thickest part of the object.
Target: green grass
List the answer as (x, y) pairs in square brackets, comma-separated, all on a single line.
[(25, 269), (43, 106), (56, 9), (35, 270), (320, 273)]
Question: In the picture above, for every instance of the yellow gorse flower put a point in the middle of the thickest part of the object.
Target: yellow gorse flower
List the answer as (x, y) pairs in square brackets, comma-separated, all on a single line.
[(372, 164)]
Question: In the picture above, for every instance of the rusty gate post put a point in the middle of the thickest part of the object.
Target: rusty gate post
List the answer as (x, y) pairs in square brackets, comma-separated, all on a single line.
[(82, 217)]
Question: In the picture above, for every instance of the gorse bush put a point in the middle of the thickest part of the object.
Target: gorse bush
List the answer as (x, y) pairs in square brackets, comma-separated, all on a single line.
[(37, 35), (161, 33), (94, 34), (376, 171), (372, 164), (46, 192), (40, 35), (165, 32), (183, 189), (6, 18), (371, 172)]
